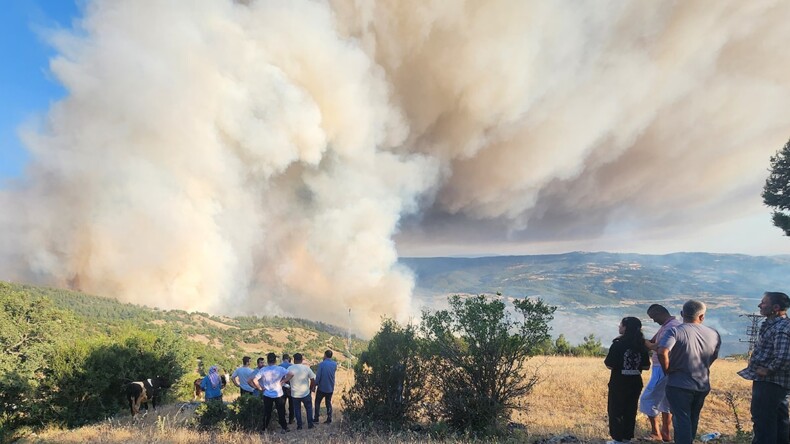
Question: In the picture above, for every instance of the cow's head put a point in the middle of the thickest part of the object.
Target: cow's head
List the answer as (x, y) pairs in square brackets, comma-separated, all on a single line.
[(163, 381)]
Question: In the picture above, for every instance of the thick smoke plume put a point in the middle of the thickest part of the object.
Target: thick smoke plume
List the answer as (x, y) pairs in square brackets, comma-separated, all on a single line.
[(259, 157)]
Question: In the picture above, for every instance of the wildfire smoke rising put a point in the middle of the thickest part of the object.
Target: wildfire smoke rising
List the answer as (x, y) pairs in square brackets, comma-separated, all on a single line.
[(259, 157)]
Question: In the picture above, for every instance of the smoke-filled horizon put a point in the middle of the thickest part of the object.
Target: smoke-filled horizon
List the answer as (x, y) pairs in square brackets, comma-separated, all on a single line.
[(265, 157)]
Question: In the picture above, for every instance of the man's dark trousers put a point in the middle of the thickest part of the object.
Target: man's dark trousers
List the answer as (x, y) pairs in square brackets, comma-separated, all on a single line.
[(319, 395), (685, 405), (268, 403), (287, 398), (770, 413)]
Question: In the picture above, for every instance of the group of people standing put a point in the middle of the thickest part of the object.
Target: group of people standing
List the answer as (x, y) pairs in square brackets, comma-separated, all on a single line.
[(680, 380), (281, 384)]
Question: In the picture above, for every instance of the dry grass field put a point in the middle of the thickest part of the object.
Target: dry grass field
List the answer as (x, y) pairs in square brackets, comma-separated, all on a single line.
[(570, 399)]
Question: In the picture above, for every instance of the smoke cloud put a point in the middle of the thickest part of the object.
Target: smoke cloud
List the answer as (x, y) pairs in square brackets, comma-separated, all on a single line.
[(263, 157)]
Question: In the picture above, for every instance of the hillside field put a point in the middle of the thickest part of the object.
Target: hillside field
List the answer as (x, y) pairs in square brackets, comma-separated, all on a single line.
[(570, 399)]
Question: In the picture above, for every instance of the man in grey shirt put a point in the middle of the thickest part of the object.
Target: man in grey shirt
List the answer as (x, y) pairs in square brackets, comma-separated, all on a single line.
[(686, 353)]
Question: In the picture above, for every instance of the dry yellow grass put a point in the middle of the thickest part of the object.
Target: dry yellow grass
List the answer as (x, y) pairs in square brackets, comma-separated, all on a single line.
[(570, 399)]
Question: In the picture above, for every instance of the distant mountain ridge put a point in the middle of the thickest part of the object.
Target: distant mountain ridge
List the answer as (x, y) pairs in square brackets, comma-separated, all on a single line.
[(593, 290)]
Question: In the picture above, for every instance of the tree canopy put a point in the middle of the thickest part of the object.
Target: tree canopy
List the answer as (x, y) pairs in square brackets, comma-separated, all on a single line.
[(776, 193)]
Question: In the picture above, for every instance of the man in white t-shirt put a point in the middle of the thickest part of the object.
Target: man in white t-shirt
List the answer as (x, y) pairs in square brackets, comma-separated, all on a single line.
[(241, 375), (270, 380), (302, 383)]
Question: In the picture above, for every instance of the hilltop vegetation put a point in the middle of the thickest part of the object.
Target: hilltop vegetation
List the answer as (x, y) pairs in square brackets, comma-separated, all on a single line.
[(66, 355), (228, 339)]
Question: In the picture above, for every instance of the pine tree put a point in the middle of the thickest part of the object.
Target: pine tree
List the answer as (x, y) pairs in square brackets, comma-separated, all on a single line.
[(776, 193)]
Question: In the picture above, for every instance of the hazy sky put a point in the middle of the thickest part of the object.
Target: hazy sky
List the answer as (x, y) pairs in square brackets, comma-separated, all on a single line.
[(283, 154)]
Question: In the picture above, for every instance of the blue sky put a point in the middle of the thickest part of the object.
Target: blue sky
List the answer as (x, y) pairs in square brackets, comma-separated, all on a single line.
[(26, 85)]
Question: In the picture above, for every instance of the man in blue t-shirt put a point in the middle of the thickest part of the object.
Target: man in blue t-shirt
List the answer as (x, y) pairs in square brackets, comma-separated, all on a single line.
[(269, 380), (325, 382), (241, 375)]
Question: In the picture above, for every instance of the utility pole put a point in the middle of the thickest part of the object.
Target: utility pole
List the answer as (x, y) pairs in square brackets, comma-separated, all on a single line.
[(752, 331), (348, 339)]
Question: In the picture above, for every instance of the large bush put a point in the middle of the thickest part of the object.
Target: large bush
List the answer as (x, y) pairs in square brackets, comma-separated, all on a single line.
[(388, 388), (85, 381), (479, 353), (466, 369), (212, 415), (246, 414), (31, 330)]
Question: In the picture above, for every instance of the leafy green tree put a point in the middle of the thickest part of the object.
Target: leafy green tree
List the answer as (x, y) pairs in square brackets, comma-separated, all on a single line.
[(482, 353), (776, 193), (590, 347), (31, 329), (562, 346), (388, 379)]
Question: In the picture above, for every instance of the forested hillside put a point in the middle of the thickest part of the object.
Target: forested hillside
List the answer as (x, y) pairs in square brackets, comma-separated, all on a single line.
[(66, 355), (229, 337)]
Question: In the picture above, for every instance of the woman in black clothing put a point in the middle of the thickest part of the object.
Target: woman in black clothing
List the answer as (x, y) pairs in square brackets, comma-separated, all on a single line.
[(627, 358)]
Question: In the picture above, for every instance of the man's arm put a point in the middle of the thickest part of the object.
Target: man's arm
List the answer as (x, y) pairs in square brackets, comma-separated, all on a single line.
[(663, 358), (253, 381), (716, 352), (318, 374), (652, 343), (780, 361), (286, 378), (234, 378)]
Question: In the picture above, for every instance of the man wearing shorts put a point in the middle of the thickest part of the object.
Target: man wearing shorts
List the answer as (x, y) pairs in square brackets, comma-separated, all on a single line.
[(654, 400)]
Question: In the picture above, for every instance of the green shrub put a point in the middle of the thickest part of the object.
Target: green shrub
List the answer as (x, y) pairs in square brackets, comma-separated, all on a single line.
[(86, 380), (388, 387), (246, 413), (212, 415), (479, 353)]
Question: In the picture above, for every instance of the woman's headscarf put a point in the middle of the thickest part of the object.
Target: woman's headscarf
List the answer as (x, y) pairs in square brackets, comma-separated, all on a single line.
[(213, 376)]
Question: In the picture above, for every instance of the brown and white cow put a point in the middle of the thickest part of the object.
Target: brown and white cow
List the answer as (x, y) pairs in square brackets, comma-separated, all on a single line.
[(140, 392)]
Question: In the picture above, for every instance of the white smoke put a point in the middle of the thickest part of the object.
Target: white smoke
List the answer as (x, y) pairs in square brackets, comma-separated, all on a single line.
[(259, 157)]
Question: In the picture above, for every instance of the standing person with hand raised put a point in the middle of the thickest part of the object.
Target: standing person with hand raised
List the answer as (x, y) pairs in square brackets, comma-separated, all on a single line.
[(654, 399)]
